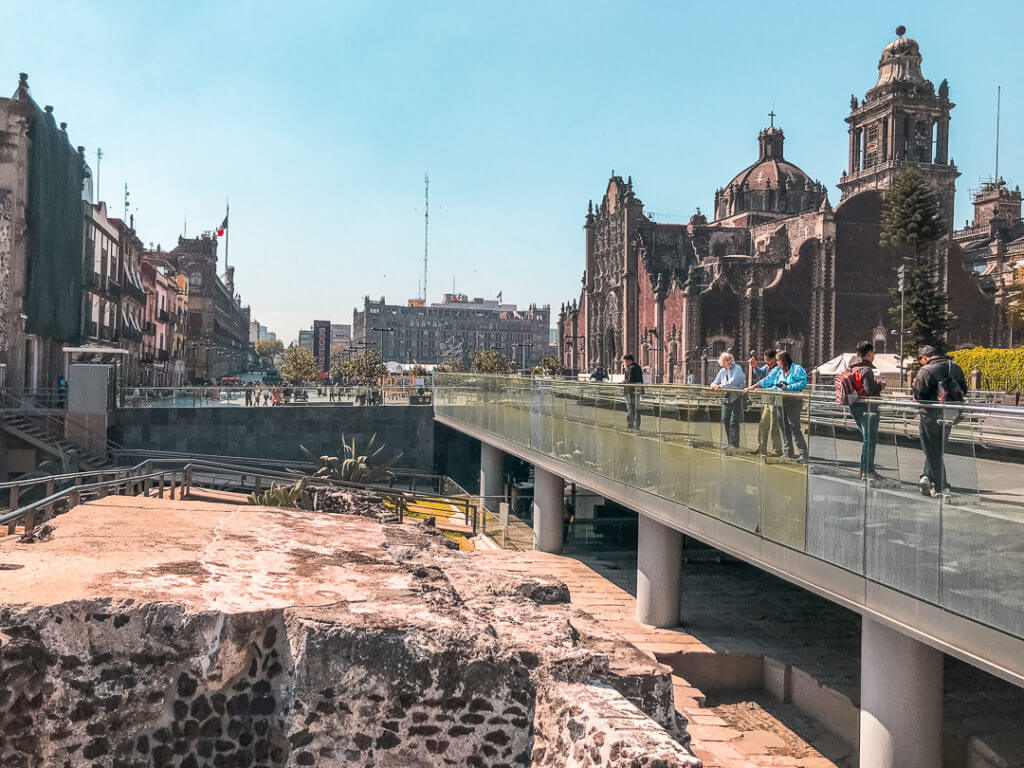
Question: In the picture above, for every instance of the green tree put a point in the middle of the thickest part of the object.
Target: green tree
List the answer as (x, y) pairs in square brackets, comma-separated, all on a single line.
[(368, 365), (550, 366), (340, 353), (491, 361), (1014, 301), (267, 352), (452, 365), (299, 365), (913, 224)]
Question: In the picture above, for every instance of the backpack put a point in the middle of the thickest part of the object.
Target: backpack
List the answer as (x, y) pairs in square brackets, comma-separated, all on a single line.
[(850, 387), (948, 389)]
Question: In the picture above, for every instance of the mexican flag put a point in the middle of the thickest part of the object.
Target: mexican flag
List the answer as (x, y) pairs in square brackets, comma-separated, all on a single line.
[(223, 227)]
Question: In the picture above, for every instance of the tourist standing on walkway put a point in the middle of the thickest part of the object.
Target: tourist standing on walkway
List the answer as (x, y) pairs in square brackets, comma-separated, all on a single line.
[(792, 378), (634, 378), (248, 394), (769, 428), (730, 376), (857, 386), (599, 374), (938, 381)]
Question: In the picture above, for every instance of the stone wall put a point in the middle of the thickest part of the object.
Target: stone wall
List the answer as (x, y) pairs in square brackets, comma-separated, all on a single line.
[(202, 634), (275, 433)]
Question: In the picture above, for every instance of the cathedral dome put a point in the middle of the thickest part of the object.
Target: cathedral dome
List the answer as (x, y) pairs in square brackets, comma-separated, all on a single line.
[(771, 171), (772, 184)]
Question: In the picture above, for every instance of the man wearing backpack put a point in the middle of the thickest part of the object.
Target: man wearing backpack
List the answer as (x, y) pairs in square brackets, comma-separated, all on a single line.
[(939, 380), (855, 387)]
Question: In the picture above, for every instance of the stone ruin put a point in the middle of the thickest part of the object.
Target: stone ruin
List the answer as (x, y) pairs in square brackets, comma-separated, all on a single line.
[(148, 633)]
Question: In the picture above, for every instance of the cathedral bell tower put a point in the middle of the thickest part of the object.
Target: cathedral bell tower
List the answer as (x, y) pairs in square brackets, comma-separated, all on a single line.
[(901, 122)]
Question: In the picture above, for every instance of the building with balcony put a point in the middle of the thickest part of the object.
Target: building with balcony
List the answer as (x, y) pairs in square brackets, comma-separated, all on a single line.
[(102, 298), (43, 181), (216, 337)]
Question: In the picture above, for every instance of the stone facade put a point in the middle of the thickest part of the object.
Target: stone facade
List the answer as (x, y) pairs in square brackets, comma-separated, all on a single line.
[(452, 329), (777, 267), (217, 330)]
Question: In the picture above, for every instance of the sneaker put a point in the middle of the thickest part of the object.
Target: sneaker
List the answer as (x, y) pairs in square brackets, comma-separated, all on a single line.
[(926, 486)]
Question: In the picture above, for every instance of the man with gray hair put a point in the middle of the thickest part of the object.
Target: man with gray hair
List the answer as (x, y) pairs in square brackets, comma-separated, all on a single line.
[(730, 376)]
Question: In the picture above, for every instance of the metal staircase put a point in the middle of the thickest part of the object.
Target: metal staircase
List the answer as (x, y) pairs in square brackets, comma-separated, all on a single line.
[(47, 433)]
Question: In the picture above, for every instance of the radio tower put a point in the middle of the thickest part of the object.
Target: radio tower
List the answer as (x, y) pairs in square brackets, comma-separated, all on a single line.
[(426, 230)]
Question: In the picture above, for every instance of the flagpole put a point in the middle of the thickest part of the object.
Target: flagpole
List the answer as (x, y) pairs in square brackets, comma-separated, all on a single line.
[(227, 234)]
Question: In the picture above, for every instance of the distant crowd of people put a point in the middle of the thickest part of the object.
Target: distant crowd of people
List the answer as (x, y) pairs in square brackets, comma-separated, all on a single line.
[(938, 381)]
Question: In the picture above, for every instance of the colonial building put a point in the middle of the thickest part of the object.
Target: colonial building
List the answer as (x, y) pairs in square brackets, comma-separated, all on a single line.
[(217, 331), (777, 266), (417, 333), (43, 181)]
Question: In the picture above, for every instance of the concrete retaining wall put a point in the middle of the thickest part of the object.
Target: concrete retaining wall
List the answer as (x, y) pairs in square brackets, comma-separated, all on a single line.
[(275, 433)]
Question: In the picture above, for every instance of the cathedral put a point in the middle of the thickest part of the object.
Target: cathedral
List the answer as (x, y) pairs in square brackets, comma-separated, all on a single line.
[(778, 266)]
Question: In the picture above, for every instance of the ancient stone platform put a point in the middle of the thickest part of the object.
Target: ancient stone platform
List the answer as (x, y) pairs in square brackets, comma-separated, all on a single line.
[(149, 632)]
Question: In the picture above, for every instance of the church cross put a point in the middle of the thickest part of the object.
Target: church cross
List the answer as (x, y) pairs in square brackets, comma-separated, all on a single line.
[(771, 116)]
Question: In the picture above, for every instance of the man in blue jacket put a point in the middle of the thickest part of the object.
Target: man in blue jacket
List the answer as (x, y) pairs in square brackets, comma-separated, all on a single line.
[(792, 378)]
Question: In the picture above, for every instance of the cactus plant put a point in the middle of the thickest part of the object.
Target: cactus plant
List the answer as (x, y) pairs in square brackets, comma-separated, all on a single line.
[(355, 467), (294, 496)]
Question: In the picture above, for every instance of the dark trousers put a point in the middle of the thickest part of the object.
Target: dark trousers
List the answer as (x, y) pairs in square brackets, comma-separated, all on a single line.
[(866, 416), (633, 410), (934, 434), (732, 416), (791, 410)]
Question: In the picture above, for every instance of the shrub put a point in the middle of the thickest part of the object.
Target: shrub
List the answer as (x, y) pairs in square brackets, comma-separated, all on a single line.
[(1001, 369)]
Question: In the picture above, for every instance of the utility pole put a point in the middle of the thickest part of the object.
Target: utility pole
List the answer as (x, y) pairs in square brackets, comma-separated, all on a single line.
[(999, 100), (901, 284), (126, 201), (426, 230), (99, 156)]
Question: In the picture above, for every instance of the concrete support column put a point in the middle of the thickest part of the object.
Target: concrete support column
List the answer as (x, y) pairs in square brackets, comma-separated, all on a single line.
[(901, 700), (548, 511), (659, 562), (491, 480)]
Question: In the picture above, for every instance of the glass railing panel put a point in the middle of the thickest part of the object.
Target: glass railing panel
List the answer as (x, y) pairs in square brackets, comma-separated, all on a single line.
[(783, 479), (648, 443), (835, 499), (983, 518), (739, 472), (705, 461)]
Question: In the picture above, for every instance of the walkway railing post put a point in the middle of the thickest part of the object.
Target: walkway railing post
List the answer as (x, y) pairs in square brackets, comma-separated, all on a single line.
[(160, 486), (171, 489)]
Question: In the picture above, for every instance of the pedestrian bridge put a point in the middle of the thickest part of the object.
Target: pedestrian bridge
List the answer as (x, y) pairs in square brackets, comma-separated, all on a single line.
[(948, 571)]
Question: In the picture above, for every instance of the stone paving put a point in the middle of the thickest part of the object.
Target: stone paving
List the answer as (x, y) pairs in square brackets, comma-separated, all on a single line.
[(732, 608), (736, 734)]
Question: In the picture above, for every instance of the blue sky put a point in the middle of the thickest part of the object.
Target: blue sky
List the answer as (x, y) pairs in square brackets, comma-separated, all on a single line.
[(318, 119)]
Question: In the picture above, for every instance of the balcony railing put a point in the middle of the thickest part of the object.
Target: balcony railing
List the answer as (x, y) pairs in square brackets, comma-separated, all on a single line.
[(91, 329), (162, 355), (149, 329), (712, 451), (162, 315), (135, 293)]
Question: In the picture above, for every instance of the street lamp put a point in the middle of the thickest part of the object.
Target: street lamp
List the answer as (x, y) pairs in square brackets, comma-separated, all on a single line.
[(524, 345), (572, 341), (383, 331)]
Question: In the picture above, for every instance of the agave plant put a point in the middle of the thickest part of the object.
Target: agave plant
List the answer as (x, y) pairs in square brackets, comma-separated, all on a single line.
[(294, 496), (350, 466)]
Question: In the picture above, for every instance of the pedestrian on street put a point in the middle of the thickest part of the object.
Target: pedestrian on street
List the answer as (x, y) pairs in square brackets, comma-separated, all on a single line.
[(938, 381), (248, 395), (855, 387), (792, 378), (730, 376), (634, 378), (765, 378)]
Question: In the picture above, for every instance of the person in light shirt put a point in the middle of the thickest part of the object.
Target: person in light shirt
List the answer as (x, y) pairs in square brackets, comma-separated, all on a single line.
[(730, 376)]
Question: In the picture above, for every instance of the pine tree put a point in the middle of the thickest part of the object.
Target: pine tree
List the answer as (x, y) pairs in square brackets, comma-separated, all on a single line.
[(912, 223)]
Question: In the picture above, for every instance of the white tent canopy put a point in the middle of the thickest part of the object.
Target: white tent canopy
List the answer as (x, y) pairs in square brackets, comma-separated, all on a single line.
[(887, 365)]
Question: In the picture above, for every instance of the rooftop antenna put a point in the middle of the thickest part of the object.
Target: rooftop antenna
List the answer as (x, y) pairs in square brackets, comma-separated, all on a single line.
[(99, 156), (126, 201), (426, 229), (999, 100)]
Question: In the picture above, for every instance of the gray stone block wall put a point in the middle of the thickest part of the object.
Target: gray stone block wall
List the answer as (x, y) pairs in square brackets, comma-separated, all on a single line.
[(275, 433)]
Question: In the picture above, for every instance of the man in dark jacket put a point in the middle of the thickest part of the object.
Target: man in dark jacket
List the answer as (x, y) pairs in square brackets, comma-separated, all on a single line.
[(634, 377), (938, 380), (864, 412)]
